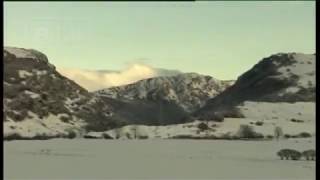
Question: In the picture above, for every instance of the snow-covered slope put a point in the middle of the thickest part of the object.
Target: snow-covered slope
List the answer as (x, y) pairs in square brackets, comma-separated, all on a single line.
[(292, 118), (283, 77), (39, 101), (190, 91)]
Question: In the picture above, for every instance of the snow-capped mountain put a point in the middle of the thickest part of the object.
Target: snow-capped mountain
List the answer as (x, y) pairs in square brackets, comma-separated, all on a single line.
[(278, 92), (280, 78), (190, 91), (38, 100)]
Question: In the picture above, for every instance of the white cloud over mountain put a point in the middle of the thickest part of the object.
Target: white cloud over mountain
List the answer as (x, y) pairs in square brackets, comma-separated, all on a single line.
[(98, 79)]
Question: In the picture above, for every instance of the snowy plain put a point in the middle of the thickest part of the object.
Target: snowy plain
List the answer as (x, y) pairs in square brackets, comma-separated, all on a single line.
[(155, 159)]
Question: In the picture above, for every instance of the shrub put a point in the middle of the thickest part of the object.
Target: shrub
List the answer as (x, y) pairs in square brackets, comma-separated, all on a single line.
[(142, 137), (42, 136), (90, 137), (182, 137), (246, 131), (259, 123), (65, 118), (269, 137), (296, 120), (294, 136), (304, 135), (193, 137), (203, 126), (287, 136), (289, 153), (71, 135), (14, 136), (18, 116), (229, 136)]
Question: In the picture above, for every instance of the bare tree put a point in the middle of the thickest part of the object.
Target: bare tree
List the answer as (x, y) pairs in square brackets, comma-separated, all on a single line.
[(134, 129), (278, 132)]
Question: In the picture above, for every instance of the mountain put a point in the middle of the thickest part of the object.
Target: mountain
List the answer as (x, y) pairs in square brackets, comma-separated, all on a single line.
[(38, 100), (277, 93), (189, 91), (40, 103), (280, 78)]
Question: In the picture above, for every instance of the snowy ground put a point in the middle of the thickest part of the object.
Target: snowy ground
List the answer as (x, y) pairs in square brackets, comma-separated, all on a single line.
[(270, 114), (33, 125), (154, 159)]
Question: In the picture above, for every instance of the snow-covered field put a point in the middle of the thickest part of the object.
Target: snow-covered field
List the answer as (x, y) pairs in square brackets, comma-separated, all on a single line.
[(270, 114), (154, 159)]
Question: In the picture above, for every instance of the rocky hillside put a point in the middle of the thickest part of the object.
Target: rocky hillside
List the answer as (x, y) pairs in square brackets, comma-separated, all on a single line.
[(283, 77), (41, 103), (189, 91), (38, 100)]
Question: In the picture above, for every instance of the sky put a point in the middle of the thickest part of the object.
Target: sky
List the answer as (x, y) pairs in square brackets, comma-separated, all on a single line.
[(221, 39)]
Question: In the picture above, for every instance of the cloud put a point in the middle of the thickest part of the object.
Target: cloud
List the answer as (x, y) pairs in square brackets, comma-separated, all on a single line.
[(94, 80)]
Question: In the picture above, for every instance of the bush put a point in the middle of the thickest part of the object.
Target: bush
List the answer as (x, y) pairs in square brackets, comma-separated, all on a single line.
[(42, 136), (259, 123), (269, 137), (65, 119), (246, 131), (193, 137), (71, 135), (304, 135), (228, 136), (90, 137), (203, 126), (14, 136), (287, 136), (296, 120), (183, 137), (142, 137)]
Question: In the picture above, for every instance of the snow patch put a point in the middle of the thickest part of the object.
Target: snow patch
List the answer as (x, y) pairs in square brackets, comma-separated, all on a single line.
[(33, 125), (24, 74), (40, 73), (32, 94), (303, 68), (20, 52)]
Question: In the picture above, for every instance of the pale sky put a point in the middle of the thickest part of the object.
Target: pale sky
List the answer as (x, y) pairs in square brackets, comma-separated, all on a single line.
[(221, 39)]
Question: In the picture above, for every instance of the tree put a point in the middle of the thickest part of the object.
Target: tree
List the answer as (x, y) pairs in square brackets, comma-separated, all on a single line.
[(203, 126), (134, 129), (246, 131), (278, 132)]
